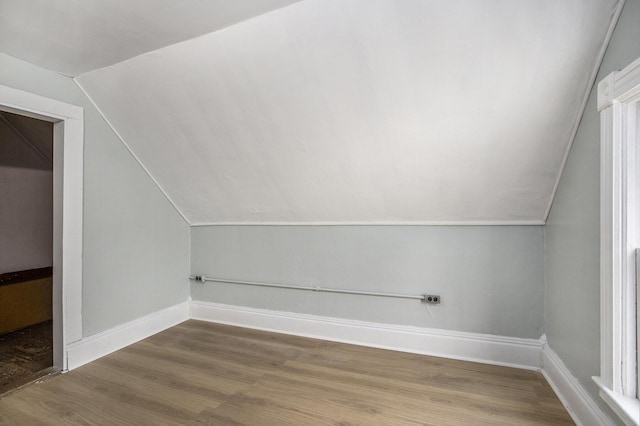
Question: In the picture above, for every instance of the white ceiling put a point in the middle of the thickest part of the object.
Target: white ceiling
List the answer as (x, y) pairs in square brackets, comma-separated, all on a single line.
[(76, 36), (352, 111)]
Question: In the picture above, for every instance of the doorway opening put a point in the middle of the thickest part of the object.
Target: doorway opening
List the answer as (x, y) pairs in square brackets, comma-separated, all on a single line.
[(67, 123), (26, 249)]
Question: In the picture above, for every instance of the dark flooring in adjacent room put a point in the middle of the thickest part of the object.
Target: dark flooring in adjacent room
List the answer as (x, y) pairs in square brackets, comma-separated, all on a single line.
[(25, 355)]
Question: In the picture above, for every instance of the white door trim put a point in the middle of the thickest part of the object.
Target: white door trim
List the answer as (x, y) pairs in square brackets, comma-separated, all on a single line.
[(68, 147)]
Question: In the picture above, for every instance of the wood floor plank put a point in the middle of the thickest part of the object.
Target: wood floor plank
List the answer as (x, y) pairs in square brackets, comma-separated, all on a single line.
[(200, 373), (425, 393), (199, 382), (210, 364), (295, 392), (72, 402)]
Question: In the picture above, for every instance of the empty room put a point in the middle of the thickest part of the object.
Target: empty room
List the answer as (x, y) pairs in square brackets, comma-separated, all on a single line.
[(319, 212)]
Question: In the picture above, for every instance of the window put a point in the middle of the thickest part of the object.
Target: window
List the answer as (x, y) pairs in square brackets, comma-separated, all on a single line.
[(619, 106)]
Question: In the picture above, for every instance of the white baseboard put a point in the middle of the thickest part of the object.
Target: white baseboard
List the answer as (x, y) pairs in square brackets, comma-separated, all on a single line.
[(580, 405), (507, 351), (101, 344), (529, 354)]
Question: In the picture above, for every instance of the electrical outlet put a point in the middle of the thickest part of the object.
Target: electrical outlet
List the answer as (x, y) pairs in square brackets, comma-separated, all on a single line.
[(433, 299)]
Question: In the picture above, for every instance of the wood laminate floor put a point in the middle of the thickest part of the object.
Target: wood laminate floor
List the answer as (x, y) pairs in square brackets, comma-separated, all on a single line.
[(200, 373)]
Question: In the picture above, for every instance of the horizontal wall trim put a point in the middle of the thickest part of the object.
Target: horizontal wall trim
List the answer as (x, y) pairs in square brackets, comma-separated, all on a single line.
[(35, 106), (26, 275), (484, 348), (91, 348), (582, 408), (424, 223)]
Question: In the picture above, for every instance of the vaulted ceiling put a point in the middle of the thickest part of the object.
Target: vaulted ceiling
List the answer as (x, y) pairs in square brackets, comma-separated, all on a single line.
[(76, 36), (25, 143), (321, 111), (36, 135)]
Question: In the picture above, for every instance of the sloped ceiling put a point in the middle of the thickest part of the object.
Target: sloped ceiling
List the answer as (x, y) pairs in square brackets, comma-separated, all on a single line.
[(29, 150), (357, 111), (75, 36), (37, 134)]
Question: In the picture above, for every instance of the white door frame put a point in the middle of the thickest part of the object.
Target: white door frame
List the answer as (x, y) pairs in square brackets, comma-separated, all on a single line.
[(68, 146)]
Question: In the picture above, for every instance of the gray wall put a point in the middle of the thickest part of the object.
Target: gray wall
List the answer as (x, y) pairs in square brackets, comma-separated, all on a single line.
[(572, 239), (136, 246), (26, 205), (490, 278)]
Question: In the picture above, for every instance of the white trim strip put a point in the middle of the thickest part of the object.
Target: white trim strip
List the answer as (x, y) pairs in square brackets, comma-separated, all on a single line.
[(91, 348), (392, 223), (530, 354), (68, 146), (583, 105), (582, 408), (628, 409), (36, 106), (135, 157), (621, 86), (618, 97), (484, 348)]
